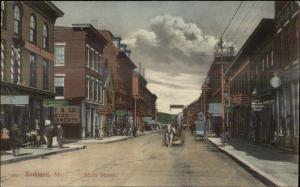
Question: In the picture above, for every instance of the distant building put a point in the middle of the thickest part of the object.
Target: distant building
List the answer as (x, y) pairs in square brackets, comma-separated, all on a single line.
[(78, 77), (117, 58), (27, 58)]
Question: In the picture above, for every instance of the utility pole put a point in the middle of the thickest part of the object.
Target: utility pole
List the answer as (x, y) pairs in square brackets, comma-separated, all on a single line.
[(222, 92)]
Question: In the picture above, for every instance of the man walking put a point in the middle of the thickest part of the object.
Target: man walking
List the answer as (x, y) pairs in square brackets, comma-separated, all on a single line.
[(15, 139)]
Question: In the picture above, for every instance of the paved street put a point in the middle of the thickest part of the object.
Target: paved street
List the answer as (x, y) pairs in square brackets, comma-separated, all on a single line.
[(140, 161)]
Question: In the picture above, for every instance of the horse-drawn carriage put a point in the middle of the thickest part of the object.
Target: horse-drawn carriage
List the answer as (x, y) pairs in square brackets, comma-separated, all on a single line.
[(174, 134)]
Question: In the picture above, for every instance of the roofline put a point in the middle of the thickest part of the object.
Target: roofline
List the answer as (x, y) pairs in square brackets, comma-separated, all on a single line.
[(90, 26), (59, 12)]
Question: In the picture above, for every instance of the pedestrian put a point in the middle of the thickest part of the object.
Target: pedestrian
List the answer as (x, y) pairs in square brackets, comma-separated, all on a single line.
[(60, 134), (48, 133), (15, 139)]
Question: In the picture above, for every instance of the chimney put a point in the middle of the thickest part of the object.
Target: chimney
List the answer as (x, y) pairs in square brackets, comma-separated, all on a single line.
[(117, 41), (123, 47), (94, 22), (127, 52)]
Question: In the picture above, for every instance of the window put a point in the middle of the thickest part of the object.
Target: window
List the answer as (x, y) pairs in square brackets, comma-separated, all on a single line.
[(3, 14), (87, 87), (91, 89), (45, 36), (16, 52), (90, 56), (99, 63), (45, 74), (59, 82), (96, 90), (59, 54), (267, 60), (87, 50), (2, 58), (32, 32), (263, 64), (272, 58), (32, 70), (17, 20)]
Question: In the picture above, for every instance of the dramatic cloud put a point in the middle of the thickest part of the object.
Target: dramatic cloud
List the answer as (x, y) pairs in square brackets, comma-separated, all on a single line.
[(173, 45)]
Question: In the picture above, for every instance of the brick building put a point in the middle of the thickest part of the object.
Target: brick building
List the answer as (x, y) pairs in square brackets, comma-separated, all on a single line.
[(27, 57), (286, 62), (144, 101), (78, 76), (117, 58), (248, 77)]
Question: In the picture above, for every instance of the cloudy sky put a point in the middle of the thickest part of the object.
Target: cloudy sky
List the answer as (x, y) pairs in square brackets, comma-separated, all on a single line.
[(174, 41)]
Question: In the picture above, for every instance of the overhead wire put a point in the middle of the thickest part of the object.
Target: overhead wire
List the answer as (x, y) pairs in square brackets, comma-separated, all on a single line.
[(234, 25), (236, 32), (254, 22), (245, 24), (231, 19)]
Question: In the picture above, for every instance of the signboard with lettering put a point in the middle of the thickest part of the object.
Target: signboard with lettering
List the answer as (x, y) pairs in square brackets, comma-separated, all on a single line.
[(257, 105), (55, 103), (176, 106), (67, 114)]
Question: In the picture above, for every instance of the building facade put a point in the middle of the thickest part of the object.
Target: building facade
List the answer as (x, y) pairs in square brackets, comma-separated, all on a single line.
[(27, 62), (78, 77), (117, 57), (248, 77), (286, 60)]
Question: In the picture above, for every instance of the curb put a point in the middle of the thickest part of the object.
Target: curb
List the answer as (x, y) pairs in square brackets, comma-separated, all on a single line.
[(257, 173), (118, 140), (41, 155)]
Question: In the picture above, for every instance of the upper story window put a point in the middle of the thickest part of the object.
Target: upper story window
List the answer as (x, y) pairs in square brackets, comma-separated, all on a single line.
[(17, 20), (2, 58), (59, 54), (32, 70), (45, 75), (45, 36), (59, 83), (32, 32), (271, 58), (3, 14)]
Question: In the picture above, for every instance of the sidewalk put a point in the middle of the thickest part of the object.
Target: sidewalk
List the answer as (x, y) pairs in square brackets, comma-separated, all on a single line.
[(276, 166), (31, 153), (112, 139)]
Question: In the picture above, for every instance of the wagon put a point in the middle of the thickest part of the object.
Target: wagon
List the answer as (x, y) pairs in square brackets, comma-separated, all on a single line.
[(200, 130)]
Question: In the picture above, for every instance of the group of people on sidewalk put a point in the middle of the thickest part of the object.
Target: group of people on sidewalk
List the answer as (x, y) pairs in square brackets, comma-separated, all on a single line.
[(15, 139)]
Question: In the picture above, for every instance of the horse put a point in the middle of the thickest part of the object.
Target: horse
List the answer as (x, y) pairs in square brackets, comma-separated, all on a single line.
[(169, 135), (50, 131)]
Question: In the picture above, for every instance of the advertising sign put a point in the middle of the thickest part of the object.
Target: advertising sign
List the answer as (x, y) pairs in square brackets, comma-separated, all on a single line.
[(67, 114), (257, 105), (55, 103)]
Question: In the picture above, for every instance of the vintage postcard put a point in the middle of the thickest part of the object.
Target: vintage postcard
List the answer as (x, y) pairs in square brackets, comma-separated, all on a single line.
[(149, 93)]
